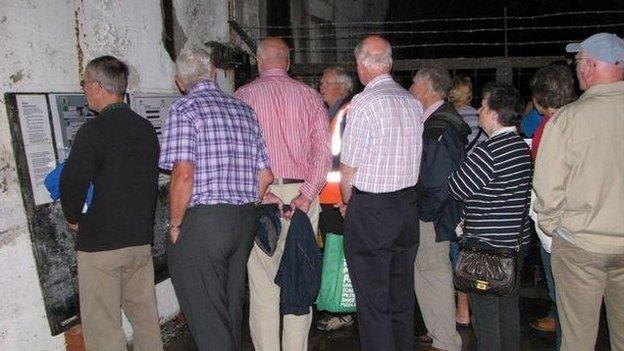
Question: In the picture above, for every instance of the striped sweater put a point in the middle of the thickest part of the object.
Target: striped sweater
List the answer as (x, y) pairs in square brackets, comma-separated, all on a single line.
[(494, 183)]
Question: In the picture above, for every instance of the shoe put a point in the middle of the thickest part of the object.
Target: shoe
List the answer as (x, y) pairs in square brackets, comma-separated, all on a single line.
[(424, 339), (546, 324), (330, 322)]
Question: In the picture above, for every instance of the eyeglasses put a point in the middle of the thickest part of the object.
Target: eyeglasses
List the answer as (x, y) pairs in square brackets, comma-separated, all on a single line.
[(579, 59)]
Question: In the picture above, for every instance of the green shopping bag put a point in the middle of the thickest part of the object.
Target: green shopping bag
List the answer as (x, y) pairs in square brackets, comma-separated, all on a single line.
[(336, 293)]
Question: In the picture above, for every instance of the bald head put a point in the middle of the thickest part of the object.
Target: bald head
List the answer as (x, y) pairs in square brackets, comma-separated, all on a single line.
[(273, 53), (374, 57)]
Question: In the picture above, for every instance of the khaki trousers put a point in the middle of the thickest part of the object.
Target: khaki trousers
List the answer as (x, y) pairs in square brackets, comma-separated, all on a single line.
[(264, 294), (108, 280), (582, 280), (433, 284)]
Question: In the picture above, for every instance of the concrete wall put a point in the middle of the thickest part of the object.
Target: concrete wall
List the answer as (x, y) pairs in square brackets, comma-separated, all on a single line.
[(44, 45)]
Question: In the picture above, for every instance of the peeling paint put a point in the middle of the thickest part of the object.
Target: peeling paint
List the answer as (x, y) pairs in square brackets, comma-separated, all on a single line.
[(3, 19), (17, 76)]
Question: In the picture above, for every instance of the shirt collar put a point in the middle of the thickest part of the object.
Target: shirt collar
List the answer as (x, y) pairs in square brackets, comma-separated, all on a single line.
[(114, 106), (274, 72), (431, 109), (204, 85), (602, 89), (503, 130), (380, 78)]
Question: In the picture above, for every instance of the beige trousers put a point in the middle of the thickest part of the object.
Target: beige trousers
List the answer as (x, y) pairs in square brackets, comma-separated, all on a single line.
[(264, 294), (582, 280), (108, 280), (435, 293)]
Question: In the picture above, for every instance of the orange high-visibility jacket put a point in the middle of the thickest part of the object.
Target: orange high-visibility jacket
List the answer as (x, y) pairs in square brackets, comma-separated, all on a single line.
[(330, 194)]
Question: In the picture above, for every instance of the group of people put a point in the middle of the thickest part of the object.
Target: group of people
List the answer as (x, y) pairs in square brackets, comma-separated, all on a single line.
[(399, 173)]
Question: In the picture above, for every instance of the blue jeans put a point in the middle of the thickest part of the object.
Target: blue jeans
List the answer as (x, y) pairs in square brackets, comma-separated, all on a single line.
[(550, 282)]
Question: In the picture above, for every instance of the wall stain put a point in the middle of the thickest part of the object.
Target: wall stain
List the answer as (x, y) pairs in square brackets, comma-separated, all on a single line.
[(17, 76), (8, 236), (4, 19), (77, 26)]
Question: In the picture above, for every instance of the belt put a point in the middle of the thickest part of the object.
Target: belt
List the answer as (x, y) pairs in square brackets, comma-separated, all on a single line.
[(282, 181), (398, 192)]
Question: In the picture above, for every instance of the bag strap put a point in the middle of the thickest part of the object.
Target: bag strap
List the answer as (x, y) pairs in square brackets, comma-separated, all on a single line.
[(524, 216), (474, 140)]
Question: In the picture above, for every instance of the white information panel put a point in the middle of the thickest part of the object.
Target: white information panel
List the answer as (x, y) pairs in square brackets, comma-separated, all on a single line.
[(38, 143), (153, 107)]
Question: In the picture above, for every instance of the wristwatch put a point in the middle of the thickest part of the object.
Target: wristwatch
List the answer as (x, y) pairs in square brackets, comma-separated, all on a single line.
[(168, 225)]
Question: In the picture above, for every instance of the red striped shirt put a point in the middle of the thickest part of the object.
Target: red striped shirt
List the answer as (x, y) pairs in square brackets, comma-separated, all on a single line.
[(294, 123)]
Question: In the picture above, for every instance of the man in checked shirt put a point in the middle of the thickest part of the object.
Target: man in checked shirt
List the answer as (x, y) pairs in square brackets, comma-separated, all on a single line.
[(294, 123), (380, 160), (213, 146)]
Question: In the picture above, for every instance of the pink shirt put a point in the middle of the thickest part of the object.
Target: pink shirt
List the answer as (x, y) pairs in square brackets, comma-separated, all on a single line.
[(294, 123), (431, 109)]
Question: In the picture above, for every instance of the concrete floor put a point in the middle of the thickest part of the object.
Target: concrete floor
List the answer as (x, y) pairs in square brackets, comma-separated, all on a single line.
[(534, 303), (347, 339)]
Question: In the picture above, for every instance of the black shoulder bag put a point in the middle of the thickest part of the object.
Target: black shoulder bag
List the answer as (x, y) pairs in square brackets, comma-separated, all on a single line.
[(489, 272)]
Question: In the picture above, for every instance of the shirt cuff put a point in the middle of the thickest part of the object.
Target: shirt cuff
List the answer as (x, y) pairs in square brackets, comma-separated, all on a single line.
[(309, 191)]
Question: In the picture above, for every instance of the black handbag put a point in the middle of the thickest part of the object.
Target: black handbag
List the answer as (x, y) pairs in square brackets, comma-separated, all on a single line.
[(488, 272)]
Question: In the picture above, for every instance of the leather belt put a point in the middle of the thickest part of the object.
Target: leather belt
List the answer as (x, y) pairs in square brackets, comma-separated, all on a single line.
[(282, 181), (398, 192)]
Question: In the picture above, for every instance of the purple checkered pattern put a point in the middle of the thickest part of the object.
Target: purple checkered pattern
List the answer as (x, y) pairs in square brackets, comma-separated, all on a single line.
[(221, 136)]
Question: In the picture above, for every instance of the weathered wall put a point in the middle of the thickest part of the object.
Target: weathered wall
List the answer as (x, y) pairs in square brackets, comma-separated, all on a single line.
[(44, 45), (33, 59)]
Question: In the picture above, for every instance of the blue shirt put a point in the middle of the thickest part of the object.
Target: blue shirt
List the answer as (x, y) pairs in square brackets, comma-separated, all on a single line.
[(530, 122)]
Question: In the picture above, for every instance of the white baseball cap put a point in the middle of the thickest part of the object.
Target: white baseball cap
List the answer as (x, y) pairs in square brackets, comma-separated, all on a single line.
[(605, 47)]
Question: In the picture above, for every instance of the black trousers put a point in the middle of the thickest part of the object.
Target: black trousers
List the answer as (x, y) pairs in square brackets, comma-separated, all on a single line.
[(381, 239), (208, 268), (497, 319), (330, 220)]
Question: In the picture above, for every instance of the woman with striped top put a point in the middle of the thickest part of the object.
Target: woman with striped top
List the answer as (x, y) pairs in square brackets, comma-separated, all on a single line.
[(494, 183)]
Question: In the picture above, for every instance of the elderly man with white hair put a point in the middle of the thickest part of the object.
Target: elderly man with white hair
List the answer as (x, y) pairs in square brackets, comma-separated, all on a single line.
[(579, 183), (213, 145), (379, 164)]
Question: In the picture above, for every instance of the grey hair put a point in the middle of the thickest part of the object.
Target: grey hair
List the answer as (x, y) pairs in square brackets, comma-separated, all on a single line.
[(342, 76), (439, 80), (194, 65), (110, 72), (377, 60)]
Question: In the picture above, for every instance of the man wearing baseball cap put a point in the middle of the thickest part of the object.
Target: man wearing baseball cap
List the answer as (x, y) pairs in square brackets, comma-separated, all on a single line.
[(579, 182)]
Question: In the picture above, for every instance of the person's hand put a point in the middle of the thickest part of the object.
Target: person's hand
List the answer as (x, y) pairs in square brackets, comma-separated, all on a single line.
[(301, 202), (270, 198), (174, 232), (342, 208), (72, 227)]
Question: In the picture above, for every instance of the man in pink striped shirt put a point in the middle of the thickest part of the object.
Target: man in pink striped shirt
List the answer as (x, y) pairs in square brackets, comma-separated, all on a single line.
[(294, 124)]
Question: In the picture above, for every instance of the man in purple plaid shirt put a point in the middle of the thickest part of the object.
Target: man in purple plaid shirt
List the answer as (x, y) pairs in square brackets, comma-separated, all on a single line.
[(213, 145)]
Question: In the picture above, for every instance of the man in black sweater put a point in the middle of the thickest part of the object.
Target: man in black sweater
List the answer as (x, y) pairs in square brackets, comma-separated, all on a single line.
[(117, 152), (444, 141)]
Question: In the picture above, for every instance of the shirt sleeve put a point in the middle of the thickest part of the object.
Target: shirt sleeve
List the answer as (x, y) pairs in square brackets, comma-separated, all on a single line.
[(263, 151), (319, 155), (550, 178), (472, 175), (179, 139), (355, 138), (78, 173)]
